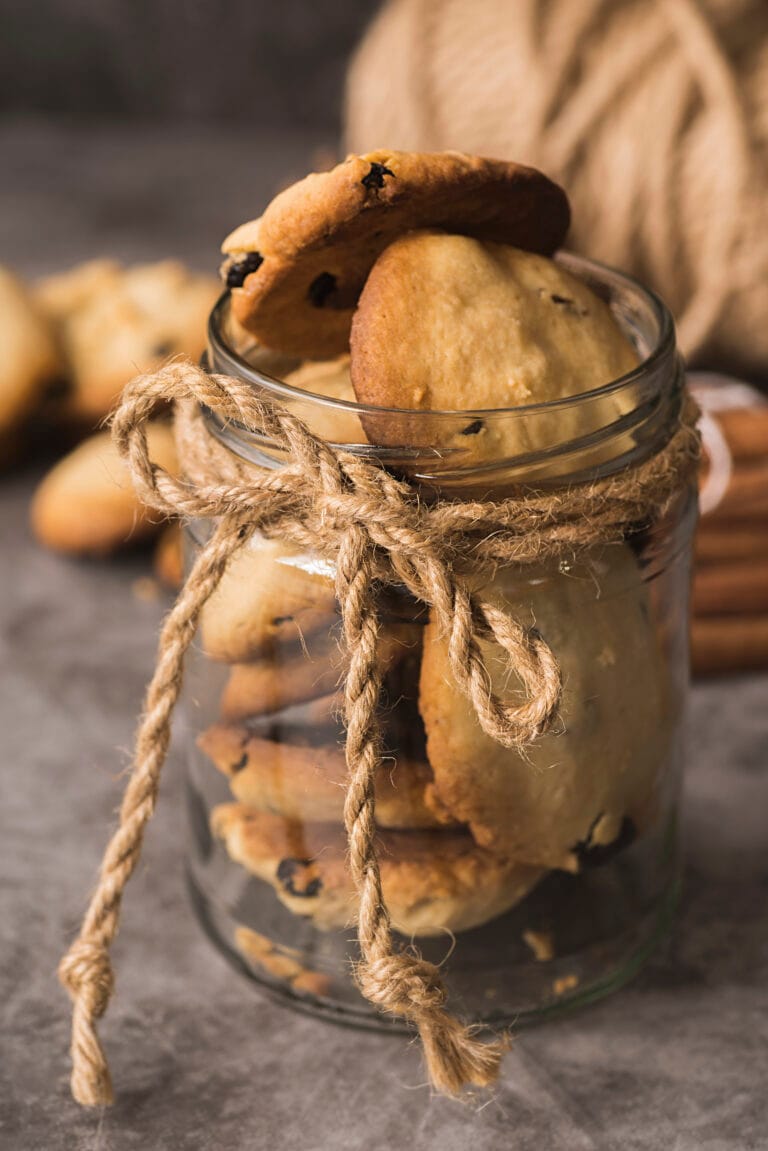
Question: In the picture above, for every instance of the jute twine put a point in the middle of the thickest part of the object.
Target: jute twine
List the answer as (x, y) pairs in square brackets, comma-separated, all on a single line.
[(378, 533)]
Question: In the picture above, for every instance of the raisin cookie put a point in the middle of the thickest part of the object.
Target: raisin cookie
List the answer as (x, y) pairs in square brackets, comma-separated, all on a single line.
[(306, 782), (114, 322), (433, 881), (455, 323), (588, 788), (28, 356), (87, 504), (271, 594), (296, 673), (296, 273)]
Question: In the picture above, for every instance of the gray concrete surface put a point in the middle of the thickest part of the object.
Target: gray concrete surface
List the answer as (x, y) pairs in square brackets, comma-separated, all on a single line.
[(678, 1061)]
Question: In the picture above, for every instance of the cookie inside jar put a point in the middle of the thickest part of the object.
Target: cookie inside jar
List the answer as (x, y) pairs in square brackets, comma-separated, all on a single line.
[(474, 369)]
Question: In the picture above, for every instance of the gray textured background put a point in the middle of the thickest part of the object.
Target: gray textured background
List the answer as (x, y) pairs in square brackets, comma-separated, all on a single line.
[(275, 63)]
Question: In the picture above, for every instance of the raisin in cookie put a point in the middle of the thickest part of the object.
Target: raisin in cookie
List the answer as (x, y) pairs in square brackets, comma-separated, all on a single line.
[(590, 786), (433, 881), (114, 323), (306, 782), (87, 504), (452, 323), (271, 594), (28, 356), (296, 272)]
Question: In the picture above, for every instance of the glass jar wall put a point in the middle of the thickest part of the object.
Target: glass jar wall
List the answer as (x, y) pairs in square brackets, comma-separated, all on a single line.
[(536, 879)]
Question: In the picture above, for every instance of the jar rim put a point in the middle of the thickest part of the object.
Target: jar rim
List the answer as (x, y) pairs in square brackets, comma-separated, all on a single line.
[(223, 355)]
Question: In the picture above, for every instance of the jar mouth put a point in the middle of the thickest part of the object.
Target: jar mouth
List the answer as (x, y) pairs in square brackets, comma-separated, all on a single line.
[(643, 403)]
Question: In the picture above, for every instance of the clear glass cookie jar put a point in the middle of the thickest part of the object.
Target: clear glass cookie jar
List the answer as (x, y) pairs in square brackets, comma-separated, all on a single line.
[(536, 879)]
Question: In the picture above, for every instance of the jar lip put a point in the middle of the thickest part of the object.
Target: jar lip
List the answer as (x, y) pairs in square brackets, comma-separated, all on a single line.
[(664, 347)]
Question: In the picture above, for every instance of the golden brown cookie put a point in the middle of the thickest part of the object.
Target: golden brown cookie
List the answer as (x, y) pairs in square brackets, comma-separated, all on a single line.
[(28, 356), (271, 595), (329, 379), (433, 881), (293, 674), (114, 323), (453, 323), (305, 782), (87, 504), (589, 787), (280, 962), (296, 273), (168, 561)]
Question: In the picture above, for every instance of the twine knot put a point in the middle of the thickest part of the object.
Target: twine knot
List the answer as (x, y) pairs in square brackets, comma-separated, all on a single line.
[(86, 969), (402, 984), (377, 531)]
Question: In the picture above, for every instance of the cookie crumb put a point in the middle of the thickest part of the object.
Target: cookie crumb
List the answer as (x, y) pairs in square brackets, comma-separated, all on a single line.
[(565, 983), (541, 944)]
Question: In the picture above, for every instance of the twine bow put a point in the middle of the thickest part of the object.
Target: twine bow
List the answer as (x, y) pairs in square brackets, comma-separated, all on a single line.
[(377, 531)]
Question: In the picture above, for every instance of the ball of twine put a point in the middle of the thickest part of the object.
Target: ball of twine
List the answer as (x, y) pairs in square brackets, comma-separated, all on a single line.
[(652, 113)]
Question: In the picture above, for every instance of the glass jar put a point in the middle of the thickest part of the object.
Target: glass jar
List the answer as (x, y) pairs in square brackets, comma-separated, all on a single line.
[(536, 880)]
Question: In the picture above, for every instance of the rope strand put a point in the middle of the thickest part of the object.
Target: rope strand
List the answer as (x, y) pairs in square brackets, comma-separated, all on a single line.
[(377, 531)]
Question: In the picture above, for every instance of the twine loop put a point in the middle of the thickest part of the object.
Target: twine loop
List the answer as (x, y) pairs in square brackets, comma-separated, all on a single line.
[(377, 531)]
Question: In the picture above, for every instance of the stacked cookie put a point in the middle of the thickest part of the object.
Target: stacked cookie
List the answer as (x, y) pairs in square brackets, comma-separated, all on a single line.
[(415, 283), (71, 343)]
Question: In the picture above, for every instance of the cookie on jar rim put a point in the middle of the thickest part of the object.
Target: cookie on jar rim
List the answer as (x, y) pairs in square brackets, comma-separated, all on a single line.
[(303, 781), (297, 271), (452, 323), (433, 881)]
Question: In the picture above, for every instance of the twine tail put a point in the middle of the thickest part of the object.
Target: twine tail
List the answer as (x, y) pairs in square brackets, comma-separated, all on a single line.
[(400, 983), (86, 969)]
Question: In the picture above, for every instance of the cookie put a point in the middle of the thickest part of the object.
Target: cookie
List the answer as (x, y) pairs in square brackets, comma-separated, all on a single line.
[(168, 560), (329, 379), (305, 782), (580, 793), (114, 323), (296, 273), (296, 673), (433, 881), (454, 323), (28, 356), (87, 504), (271, 595), (280, 962)]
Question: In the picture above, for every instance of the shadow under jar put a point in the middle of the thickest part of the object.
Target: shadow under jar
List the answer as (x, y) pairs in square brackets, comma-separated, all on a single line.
[(539, 880)]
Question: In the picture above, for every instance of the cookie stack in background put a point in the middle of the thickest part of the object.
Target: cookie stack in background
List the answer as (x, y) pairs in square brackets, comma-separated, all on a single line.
[(73, 341)]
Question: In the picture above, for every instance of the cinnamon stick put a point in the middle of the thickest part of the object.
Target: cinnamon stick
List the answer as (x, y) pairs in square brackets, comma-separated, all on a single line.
[(727, 543), (731, 589), (746, 431), (729, 644)]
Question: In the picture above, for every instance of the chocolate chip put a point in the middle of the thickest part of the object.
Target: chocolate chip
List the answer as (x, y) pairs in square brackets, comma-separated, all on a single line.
[(473, 428), (164, 348), (561, 299), (291, 871), (242, 268), (278, 619), (595, 855), (321, 288), (375, 178), (241, 763)]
